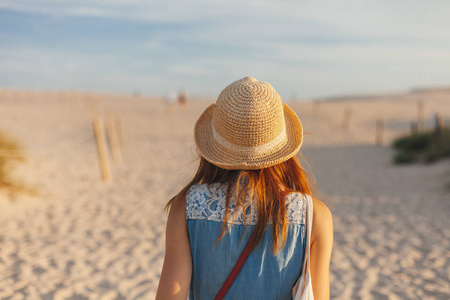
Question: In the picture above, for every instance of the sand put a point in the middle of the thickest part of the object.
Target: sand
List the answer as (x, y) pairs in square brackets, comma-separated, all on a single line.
[(81, 238)]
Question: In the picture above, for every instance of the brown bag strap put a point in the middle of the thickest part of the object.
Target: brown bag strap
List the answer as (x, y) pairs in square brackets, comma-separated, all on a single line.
[(236, 269)]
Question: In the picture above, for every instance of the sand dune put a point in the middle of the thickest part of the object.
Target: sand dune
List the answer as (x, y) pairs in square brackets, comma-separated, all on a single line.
[(83, 239)]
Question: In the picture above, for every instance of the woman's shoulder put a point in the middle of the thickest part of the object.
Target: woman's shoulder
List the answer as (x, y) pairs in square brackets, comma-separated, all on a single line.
[(322, 229), (321, 211)]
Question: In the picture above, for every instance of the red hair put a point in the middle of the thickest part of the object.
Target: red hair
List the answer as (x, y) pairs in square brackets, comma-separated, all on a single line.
[(268, 186)]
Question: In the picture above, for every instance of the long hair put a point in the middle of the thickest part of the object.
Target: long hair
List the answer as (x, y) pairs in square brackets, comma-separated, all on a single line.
[(268, 187)]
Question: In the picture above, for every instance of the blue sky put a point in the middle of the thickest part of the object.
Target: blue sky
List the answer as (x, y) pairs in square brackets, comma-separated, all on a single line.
[(305, 49)]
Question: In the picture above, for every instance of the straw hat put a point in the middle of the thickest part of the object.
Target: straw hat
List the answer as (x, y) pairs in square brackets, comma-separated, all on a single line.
[(248, 128)]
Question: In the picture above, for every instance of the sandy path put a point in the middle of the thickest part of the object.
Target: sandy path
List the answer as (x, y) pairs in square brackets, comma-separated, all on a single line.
[(82, 239), (391, 227)]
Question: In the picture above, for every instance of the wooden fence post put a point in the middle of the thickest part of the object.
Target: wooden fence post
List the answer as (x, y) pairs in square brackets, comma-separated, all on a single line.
[(413, 126), (102, 150), (346, 119), (113, 138), (379, 132), (119, 130), (420, 116), (439, 126), (438, 122)]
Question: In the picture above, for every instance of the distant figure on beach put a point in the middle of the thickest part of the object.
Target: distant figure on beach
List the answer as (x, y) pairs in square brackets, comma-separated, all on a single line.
[(249, 207), (182, 99), (171, 98), (136, 93)]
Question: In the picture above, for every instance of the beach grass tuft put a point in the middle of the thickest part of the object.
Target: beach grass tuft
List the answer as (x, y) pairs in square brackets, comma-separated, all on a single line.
[(428, 146), (11, 154)]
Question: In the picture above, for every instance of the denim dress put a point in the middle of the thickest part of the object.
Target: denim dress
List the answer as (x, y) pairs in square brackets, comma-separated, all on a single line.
[(264, 275)]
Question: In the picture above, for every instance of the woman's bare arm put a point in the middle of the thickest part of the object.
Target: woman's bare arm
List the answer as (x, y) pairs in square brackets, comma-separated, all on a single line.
[(321, 245), (177, 268)]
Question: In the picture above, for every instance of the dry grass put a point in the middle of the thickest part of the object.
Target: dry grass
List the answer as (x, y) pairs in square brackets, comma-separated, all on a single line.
[(11, 154)]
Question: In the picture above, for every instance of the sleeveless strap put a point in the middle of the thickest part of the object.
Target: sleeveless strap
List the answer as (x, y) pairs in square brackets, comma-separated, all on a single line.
[(236, 269), (309, 221)]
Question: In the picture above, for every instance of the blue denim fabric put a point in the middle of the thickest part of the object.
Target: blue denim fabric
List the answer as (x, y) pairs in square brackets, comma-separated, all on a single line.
[(263, 276)]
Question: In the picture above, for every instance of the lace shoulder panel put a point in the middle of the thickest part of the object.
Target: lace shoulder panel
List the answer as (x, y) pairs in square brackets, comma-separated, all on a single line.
[(207, 202)]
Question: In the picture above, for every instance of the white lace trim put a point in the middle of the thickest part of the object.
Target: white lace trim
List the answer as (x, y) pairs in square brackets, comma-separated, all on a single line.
[(207, 202)]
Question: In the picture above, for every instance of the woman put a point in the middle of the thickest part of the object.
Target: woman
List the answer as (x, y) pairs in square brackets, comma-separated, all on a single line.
[(248, 183)]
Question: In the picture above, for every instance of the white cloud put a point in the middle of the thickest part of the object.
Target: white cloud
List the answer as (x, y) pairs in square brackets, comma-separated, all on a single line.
[(88, 11)]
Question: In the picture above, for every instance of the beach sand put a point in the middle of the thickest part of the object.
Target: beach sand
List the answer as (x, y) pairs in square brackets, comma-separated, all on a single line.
[(81, 238)]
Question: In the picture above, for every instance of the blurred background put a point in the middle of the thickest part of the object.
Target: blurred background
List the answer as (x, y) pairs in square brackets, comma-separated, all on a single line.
[(98, 100)]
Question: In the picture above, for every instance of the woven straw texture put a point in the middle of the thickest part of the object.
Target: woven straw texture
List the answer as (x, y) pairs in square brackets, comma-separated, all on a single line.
[(248, 128)]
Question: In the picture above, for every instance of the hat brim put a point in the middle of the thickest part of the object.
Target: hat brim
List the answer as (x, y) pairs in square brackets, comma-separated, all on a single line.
[(226, 158)]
